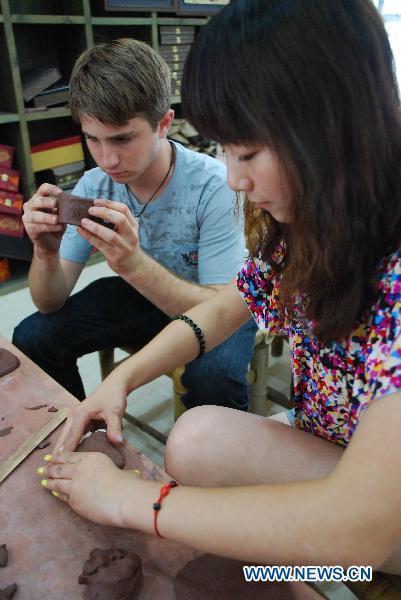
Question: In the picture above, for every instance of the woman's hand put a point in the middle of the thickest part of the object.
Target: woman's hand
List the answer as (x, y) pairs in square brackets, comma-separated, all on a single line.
[(90, 483), (105, 407)]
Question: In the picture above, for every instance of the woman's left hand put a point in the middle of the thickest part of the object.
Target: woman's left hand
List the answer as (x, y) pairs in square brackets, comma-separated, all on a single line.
[(90, 483)]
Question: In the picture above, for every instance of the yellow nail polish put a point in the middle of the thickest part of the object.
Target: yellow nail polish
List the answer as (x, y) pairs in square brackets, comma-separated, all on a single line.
[(43, 482), (137, 472), (55, 494), (47, 458), (40, 471)]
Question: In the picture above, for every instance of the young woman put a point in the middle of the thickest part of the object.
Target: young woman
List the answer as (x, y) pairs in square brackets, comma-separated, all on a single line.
[(302, 95)]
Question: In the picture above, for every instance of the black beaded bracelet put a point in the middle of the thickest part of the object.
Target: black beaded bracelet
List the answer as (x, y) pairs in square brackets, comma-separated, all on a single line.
[(197, 330)]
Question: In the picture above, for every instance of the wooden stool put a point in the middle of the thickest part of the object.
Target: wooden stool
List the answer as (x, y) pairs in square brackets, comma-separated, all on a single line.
[(257, 378)]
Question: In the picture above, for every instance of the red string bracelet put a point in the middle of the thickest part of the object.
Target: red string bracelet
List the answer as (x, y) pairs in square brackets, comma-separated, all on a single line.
[(164, 491)]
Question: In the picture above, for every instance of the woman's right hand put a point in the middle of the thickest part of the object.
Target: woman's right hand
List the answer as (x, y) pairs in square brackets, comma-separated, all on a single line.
[(41, 220), (105, 407)]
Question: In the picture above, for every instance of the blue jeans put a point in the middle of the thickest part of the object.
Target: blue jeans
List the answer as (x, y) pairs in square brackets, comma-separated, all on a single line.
[(291, 416), (109, 313)]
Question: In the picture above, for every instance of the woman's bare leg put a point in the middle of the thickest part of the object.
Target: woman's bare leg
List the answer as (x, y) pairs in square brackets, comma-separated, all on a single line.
[(213, 445), (217, 446)]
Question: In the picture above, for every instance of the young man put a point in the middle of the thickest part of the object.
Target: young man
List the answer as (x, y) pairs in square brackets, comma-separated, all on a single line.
[(175, 239)]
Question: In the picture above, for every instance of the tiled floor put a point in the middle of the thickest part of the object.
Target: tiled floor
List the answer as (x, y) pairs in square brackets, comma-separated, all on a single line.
[(152, 403)]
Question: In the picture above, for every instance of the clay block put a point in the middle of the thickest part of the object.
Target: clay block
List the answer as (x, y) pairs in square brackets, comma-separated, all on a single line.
[(112, 574), (3, 555), (72, 209), (44, 444), (8, 592), (8, 362), (6, 431)]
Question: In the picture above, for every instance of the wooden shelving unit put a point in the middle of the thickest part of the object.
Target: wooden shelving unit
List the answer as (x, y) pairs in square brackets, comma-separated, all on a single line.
[(44, 33)]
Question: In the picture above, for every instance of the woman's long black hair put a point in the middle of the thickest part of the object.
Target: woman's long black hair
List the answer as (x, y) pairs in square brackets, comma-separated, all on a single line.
[(315, 81)]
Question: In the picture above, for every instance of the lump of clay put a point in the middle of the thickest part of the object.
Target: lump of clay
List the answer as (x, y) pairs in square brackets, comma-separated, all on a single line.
[(5, 431), (8, 362), (8, 592), (3, 555), (112, 574), (43, 444), (98, 442)]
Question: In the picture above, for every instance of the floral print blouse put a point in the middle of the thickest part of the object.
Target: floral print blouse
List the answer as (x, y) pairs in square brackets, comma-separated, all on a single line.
[(333, 383)]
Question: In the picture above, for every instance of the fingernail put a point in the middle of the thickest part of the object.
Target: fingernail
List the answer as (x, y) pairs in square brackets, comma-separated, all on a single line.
[(40, 471), (119, 438), (55, 494), (47, 458), (137, 472), (61, 449), (43, 482)]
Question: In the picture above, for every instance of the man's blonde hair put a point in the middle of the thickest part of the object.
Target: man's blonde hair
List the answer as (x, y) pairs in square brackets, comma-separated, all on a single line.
[(119, 80)]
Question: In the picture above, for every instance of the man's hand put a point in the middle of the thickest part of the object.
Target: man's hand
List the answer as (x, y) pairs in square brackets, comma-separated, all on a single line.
[(105, 406), (41, 221), (121, 245)]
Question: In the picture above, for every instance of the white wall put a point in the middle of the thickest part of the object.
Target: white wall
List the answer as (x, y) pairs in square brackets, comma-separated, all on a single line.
[(394, 34), (391, 10)]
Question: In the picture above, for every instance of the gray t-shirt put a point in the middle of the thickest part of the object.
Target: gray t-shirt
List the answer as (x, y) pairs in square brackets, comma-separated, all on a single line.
[(191, 228)]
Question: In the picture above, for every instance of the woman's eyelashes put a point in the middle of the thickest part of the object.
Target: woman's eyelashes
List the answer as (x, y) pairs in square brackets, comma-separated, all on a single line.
[(246, 157)]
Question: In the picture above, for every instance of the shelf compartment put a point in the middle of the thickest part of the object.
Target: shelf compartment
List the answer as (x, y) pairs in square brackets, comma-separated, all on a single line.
[(14, 247), (8, 102), (46, 7), (64, 127), (106, 33), (42, 47)]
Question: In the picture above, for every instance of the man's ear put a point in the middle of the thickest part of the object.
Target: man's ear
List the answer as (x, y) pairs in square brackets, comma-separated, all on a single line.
[(164, 123)]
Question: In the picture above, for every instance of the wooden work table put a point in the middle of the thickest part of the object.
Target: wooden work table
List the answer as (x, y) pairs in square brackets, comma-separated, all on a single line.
[(48, 543)]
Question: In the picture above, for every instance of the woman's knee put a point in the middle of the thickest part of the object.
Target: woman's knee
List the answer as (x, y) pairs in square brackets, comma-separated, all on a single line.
[(189, 443)]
